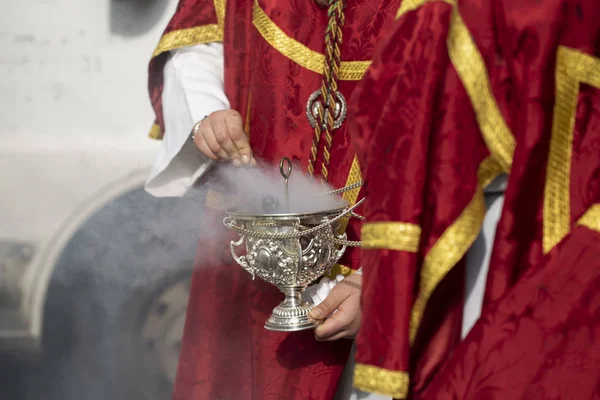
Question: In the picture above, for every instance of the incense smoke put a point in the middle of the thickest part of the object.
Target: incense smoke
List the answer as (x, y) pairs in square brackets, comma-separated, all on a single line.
[(261, 190), (120, 260)]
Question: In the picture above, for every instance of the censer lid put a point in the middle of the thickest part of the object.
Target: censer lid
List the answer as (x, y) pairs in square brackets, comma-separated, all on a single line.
[(270, 207), (236, 213)]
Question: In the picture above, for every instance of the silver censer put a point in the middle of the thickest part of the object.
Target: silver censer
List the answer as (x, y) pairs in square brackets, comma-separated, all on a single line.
[(290, 251)]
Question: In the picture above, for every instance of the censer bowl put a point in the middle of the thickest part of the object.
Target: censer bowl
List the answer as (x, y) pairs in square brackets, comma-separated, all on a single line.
[(289, 251)]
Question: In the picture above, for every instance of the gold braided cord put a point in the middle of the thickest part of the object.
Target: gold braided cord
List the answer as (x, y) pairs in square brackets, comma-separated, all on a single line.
[(333, 41), (299, 53), (329, 88)]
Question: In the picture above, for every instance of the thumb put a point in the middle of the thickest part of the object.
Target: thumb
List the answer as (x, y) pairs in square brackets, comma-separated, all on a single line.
[(245, 151), (329, 305), (239, 138)]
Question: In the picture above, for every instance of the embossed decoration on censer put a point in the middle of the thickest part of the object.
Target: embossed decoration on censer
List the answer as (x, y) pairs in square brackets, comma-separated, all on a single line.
[(290, 250)]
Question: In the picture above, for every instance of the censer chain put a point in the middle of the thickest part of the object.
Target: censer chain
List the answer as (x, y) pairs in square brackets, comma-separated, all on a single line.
[(353, 186), (265, 235), (349, 243), (344, 189)]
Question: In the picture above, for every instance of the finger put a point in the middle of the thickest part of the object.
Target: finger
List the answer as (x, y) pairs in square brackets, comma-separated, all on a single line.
[(333, 326), (331, 303), (344, 323), (345, 334), (203, 147), (236, 131), (222, 134), (209, 136)]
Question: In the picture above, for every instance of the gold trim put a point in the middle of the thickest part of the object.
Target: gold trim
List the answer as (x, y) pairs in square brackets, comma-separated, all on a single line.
[(299, 53), (488, 170), (188, 37), (354, 176), (572, 68), (401, 236), (591, 218), (155, 132), (471, 69), (369, 378), (339, 269), (454, 243), (220, 11), (351, 196), (410, 5), (458, 238)]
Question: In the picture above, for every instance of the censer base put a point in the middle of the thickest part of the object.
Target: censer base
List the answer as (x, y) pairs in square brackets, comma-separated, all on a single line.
[(291, 314)]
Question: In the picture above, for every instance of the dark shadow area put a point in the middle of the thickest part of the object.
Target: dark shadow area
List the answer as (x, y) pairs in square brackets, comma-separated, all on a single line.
[(135, 17), (101, 297)]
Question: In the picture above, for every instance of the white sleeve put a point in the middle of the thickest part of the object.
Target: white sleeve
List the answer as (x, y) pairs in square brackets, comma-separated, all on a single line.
[(193, 88), (319, 292)]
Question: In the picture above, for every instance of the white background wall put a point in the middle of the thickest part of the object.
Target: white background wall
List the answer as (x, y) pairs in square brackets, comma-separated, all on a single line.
[(74, 108), (74, 117), (63, 74)]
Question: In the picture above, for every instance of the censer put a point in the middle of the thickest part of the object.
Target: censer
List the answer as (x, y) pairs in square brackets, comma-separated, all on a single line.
[(290, 251)]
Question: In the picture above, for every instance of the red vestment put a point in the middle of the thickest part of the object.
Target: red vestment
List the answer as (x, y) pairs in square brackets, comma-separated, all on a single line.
[(273, 63), (467, 90)]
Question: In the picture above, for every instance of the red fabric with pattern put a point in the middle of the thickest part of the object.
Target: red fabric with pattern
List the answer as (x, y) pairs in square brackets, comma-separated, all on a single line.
[(419, 145), (541, 340), (420, 148), (226, 353), (538, 335)]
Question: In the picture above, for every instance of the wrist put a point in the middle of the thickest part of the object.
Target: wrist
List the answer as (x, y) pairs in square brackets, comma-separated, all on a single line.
[(352, 283), (195, 128)]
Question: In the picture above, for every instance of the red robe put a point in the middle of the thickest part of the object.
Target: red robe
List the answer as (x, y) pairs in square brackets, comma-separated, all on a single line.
[(467, 90), (273, 62)]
